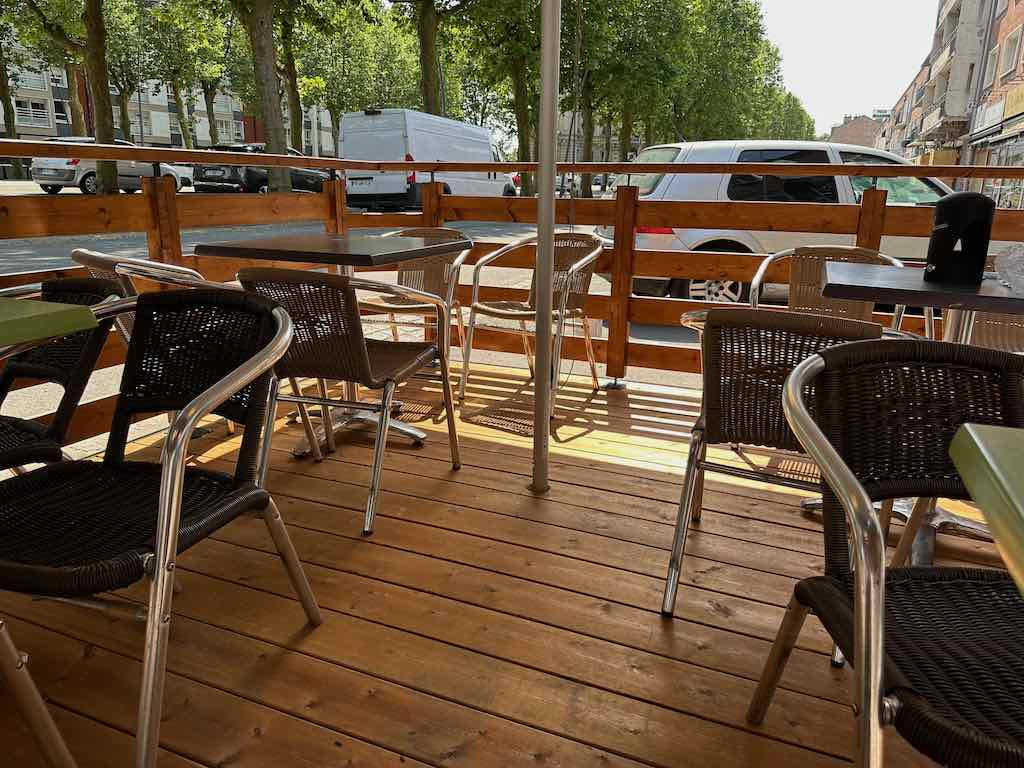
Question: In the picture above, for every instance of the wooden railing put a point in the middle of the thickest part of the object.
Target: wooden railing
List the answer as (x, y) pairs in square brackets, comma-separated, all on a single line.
[(161, 215)]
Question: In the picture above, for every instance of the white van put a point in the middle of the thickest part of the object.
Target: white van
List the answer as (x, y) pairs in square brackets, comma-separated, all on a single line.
[(750, 187), (405, 134)]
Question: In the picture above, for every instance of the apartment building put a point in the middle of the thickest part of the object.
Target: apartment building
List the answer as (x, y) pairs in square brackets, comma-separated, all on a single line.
[(901, 131), (40, 103), (856, 129)]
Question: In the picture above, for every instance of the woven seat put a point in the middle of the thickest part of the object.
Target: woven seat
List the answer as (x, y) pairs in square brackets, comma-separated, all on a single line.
[(78, 528), (67, 362), (747, 355), (329, 343), (949, 673), (573, 263)]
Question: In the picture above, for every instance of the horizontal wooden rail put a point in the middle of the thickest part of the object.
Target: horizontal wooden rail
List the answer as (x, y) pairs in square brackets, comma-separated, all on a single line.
[(93, 151)]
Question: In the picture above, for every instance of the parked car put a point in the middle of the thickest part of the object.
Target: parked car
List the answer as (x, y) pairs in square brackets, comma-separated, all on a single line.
[(251, 178), (751, 187), (55, 173), (182, 174), (405, 134)]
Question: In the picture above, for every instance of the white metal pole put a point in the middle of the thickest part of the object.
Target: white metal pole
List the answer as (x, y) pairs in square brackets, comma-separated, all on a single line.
[(547, 138)]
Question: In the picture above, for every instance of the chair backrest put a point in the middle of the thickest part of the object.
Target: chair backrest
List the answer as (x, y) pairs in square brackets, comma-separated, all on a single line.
[(183, 343), (890, 409), (807, 271), (328, 341), (103, 265), (69, 360), (570, 249), (433, 273), (747, 355)]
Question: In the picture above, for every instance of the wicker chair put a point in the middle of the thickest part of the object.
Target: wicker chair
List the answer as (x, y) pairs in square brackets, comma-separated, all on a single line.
[(77, 529), (936, 650), (329, 344), (807, 272), (67, 361), (747, 354), (437, 275), (575, 257)]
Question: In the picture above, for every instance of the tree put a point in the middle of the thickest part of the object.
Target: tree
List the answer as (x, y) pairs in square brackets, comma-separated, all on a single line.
[(80, 27), (12, 60), (129, 55)]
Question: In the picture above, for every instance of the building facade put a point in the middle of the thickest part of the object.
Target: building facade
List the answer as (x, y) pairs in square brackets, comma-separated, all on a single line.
[(856, 129)]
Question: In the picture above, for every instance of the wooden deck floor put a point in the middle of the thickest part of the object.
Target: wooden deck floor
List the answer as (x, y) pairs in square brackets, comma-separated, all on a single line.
[(481, 625)]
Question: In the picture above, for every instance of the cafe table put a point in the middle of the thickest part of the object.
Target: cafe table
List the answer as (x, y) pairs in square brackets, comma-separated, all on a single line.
[(884, 284), (346, 252), (990, 460), (23, 320)]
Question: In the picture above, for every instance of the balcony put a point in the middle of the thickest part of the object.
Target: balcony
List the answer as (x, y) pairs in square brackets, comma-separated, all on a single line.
[(943, 59)]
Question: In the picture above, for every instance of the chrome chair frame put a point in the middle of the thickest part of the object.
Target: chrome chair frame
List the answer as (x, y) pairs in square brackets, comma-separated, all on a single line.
[(560, 323)]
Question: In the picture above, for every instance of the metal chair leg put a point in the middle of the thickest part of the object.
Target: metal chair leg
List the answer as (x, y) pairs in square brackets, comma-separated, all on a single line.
[(307, 424), (922, 510), (556, 363), (461, 325), (687, 501), (326, 417), (290, 558), (449, 410), (154, 660), (15, 675), (590, 352), (466, 353), (837, 659), (698, 493), (785, 640), (378, 456), (526, 347), (393, 322), (929, 323)]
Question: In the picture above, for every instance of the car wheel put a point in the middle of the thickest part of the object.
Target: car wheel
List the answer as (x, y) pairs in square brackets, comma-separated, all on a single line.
[(51, 189), (88, 184), (720, 291), (264, 188)]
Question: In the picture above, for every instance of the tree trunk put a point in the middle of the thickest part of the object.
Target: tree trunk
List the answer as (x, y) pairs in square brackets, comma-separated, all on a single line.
[(626, 131), (99, 90), (427, 25), (209, 95), (10, 127), (608, 129), (258, 17), (336, 131), (587, 115), (183, 122), (521, 106), (648, 133), (296, 119), (73, 74), (123, 99)]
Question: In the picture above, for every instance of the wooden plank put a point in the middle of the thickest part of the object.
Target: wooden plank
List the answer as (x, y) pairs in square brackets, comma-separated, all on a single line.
[(871, 223), (524, 210), (622, 280), (706, 265), (201, 209), (44, 215), (388, 220), (14, 279), (164, 239), (214, 726), (766, 217), (334, 191)]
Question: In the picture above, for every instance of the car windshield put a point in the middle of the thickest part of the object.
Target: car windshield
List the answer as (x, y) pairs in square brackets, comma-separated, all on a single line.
[(648, 182), (900, 191)]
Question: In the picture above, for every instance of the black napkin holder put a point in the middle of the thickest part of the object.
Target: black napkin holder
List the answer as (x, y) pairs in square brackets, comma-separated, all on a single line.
[(961, 219)]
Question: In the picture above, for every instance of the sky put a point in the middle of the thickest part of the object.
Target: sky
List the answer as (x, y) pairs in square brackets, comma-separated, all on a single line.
[(845, 57)]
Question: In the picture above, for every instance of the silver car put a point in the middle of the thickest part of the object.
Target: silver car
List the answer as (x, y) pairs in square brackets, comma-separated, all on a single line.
[(55, 173)]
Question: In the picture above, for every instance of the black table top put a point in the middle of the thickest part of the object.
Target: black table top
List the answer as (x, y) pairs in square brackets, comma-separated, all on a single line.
[(344, 250), (895, 285)]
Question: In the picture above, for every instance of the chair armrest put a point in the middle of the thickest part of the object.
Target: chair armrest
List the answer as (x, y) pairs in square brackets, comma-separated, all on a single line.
[(441, 307), (170, 274), (492, 257), (762, 270)]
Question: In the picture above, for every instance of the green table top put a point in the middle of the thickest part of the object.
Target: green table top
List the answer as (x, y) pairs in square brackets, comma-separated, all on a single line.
[(991, 462), (24, 320)]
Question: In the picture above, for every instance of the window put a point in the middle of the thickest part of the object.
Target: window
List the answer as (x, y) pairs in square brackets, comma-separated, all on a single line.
[(1011, 47), (61, 113), (783, 189), (58, 78), (901, 191), (990, 67), (239, 128), (31, 112), (646, 183), (36, 80), (970, 77)]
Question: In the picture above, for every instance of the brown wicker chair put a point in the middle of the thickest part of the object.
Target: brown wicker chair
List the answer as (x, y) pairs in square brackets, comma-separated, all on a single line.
[(329, 344), (936, 650), (437, 275), (806, 274), (575, 257), (747, 354), (67, 362), (77, 529)]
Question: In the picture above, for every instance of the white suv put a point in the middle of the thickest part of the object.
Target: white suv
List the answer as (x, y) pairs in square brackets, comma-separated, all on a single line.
[(750, 187), (55, 173)]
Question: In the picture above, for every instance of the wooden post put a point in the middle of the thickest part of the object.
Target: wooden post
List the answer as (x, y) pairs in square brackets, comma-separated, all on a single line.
[(164, 234), (871, 224), (622, 281), (432, 193), (336, 203)]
